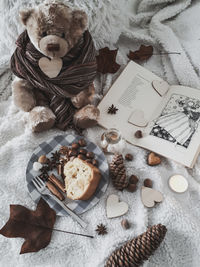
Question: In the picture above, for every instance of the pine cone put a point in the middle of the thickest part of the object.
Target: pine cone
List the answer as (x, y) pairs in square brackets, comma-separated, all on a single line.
[(118, 172), (139, 249)]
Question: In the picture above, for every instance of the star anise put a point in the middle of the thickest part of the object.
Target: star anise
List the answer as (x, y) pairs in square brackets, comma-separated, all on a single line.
[(44, 176), (101, 229), (112, 109), (64, 160), (52, 165), (55, 156), (44, 169)]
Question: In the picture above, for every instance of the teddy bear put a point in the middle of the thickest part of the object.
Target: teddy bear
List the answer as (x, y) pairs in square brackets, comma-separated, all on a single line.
[(55, 66)]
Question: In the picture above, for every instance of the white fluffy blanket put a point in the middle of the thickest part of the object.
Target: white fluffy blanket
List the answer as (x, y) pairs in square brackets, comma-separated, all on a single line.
[(169, 25)]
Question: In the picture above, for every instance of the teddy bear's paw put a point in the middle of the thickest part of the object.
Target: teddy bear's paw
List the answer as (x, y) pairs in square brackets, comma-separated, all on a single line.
[(41, 119), (86, 117), (84, 98), (22, 95)]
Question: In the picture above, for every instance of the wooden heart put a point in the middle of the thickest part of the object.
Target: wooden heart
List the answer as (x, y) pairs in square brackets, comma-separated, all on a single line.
[(150, 196), (114, 208), (153, 159), (161, 87), (51, 67), (137, 118)]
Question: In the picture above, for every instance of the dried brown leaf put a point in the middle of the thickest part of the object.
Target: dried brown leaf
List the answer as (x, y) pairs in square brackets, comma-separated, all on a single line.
[(144, 53), (106, 61), (31, 225)]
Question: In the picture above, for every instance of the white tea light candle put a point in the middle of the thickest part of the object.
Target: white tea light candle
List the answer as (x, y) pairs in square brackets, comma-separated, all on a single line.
[(178, 183)]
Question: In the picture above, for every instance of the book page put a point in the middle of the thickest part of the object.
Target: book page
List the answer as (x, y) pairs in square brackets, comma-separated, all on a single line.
[(175, 126), (131, 94)]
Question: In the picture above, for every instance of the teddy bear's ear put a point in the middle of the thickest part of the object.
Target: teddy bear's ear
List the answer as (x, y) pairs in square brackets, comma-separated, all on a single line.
[(25, 14), (80, 19)]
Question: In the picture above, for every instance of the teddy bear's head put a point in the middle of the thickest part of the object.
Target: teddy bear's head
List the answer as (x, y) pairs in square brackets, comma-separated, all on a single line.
[(53, 27)]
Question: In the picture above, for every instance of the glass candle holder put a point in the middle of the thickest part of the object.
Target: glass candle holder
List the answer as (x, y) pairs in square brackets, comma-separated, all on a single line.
[(112, 141)]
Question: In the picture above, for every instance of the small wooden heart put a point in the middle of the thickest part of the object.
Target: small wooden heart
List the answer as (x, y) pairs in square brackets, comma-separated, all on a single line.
[(161, 87), (114, 207), (51, 67), (137, 118), (153, 159), (150, 196)]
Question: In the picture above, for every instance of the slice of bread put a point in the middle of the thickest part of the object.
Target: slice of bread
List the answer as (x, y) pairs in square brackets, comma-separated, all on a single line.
[(81, 179)]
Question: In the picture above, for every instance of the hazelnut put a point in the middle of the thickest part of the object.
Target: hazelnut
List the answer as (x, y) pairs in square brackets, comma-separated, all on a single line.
[(148, 183), (82, 142), (138, 134), (133, 179), (131, 187), (90, 155), (81, 156), (129, 157), (83, 151), (42, 159), (75, 146), (125, 224), (95, 162)]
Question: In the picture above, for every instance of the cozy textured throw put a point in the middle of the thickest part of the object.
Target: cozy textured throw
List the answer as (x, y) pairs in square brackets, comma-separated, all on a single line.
[(169, 25), (77, 74)]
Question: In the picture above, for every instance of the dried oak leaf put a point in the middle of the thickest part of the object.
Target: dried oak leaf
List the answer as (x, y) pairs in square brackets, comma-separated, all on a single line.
[(32, 225), (106, 61), (144, 53)]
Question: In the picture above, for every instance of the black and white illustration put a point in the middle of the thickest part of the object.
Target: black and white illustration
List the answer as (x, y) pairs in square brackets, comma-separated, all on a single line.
[(178, 121)]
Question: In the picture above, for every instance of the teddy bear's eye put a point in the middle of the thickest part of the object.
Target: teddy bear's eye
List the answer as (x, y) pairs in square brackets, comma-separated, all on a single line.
[(44, 34), (63, 35)]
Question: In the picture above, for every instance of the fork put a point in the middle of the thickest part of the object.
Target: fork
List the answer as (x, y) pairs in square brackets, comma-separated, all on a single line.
[(41, 187)]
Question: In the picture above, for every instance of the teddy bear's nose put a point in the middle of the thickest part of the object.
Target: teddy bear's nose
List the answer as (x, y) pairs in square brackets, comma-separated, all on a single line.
[(53, 47)]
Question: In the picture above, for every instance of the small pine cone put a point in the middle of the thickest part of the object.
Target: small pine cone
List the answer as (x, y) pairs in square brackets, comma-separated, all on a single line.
[(118, 172), (121, 182), (139, 249), (118, 158), (119, 161), (112, 168)]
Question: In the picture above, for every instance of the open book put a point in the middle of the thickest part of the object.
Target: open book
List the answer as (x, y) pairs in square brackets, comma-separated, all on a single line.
[(168, 116)]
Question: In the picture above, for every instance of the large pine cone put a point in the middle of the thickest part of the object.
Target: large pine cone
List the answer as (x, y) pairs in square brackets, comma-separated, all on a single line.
[(118, 172), (139, 249)]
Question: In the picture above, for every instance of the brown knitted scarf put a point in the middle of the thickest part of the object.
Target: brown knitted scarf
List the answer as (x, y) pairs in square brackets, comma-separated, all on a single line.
[(77, 73)]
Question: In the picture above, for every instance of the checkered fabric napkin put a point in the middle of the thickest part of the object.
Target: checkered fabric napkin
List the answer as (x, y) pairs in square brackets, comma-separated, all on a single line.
[(46, 148)]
